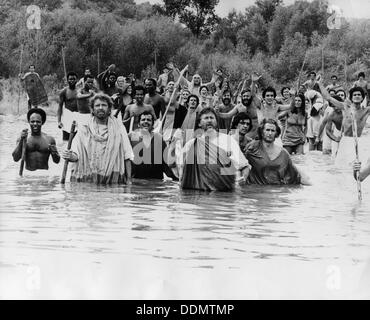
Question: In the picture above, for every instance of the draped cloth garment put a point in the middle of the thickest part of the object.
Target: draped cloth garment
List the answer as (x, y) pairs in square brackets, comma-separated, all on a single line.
[(207, 168), (102, 151)]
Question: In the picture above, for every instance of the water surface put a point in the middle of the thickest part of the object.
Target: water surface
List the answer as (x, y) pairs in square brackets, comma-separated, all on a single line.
[(152, 240)]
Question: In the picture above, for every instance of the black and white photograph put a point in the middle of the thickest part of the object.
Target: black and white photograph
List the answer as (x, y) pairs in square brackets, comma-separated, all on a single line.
[(184, 150)]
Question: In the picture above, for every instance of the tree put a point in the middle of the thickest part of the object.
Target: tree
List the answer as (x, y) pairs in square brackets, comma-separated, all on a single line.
[(121, 9), (276, 33), (198, 15), (171, 8), (289, 61), (44, 4), (267, 8), (229, 27), (254, 35), (307, 18)]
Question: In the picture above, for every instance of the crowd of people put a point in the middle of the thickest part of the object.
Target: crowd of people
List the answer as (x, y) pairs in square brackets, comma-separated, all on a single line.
[(205, 135)]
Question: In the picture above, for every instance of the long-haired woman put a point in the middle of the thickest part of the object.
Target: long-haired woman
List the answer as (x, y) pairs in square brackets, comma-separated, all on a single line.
[(295, 134)]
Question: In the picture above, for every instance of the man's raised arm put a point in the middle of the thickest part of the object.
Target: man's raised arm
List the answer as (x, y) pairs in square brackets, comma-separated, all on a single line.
[(327, 96)]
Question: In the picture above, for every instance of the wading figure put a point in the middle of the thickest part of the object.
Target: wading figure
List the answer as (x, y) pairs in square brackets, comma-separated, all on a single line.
[(212, 160), (241, 125), (249, 105), (154, 99), (294, 137), (136, 109), (39, 146), (353, 113), (150, 152), (67, 109), (101, 152), (271, 163)]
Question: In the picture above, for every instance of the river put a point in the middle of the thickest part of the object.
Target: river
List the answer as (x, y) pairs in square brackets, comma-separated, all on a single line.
[(154, 241)]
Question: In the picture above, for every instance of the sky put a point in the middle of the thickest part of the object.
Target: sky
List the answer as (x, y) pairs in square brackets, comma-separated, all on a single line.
[(351, 8)]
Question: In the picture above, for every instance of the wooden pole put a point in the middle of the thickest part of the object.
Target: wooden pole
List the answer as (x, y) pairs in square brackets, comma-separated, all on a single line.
[(71, 134), (322, 61), (160, 124), (131, 124), (37, 47), (155, 60), (300, 72), (20, 83), (98, 60), (24, 146), (64, 64), (354, 130)]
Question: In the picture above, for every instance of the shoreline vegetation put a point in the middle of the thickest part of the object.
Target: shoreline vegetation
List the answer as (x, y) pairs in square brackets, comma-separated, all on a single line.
[(269, 37)]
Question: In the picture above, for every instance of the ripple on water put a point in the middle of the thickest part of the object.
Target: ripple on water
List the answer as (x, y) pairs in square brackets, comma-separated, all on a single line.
[(323, 222)]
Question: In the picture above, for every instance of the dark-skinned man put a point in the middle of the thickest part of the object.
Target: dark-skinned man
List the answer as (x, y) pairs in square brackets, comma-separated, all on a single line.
[(67, 109), (39, 146), (153, 98)]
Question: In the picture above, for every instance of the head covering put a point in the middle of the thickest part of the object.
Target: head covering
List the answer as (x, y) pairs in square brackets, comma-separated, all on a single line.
[(39, 111)]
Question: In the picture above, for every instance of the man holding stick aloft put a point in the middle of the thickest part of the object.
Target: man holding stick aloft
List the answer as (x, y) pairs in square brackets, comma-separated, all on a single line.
[(353, 115)]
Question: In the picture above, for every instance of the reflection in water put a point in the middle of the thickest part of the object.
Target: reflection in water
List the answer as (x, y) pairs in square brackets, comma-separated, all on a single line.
[(155, 223)]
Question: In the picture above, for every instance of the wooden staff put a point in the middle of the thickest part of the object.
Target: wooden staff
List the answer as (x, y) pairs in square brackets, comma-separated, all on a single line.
[(24, 146), (322, 61), (64, 64), (300, 72), (354, 130), (37, 46), (20, 83), (161, 122), (71, 135), (131, 124), (98, 60)]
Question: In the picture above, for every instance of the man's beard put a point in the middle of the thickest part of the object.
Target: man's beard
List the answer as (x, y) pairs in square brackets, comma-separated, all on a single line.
[(226, 102), (246, 102), (209, 127), (72, 86)]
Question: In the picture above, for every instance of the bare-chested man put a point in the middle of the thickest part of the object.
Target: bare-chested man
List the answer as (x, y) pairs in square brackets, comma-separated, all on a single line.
[(334, 84), (39, 145), (361, 82), (311, 84), (68, 99), (84, 96), (332, 120), (225, 106), (364, 84), (270, 109), (249, 105), (351, 109), (153, 98), (80, 84), (136, 109), (107, 81)]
